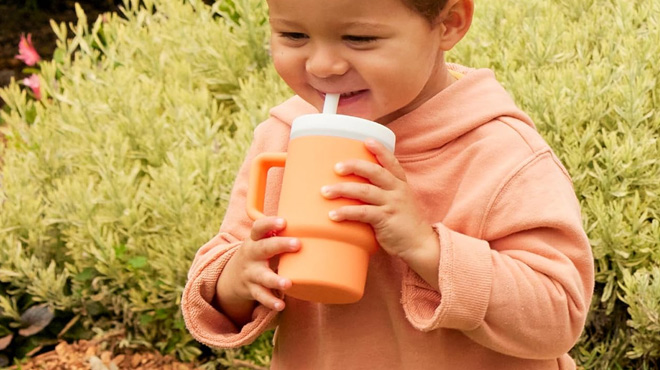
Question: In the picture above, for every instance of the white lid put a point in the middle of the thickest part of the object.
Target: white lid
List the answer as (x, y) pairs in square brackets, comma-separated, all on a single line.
[(342, 126)]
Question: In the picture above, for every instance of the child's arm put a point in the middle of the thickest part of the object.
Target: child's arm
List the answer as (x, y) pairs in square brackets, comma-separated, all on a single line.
[(391, 209), (522, 288), (203, 319), (248, 278)]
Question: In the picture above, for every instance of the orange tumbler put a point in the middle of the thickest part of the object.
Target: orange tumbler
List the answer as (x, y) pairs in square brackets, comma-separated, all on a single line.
[(331, 265)]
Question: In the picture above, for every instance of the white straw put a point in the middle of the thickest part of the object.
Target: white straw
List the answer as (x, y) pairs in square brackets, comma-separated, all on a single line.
[(330, 104)]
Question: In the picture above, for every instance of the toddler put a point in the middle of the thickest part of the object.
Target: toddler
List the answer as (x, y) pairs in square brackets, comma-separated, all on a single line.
[(483, 262)]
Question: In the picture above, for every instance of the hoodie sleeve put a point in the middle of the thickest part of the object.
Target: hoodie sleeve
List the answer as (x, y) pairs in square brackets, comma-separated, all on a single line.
[(523, 288), (205, 322)]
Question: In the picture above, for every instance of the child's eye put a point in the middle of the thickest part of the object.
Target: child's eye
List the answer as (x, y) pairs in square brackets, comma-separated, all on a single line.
[(360, 39), (296, 36)]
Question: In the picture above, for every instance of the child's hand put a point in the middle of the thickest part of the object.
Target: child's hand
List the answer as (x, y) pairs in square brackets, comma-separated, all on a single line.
[(390, 206), (249, 275)]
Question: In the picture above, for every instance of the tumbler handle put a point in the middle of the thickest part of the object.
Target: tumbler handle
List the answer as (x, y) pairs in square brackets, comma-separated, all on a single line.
[(256, 193)]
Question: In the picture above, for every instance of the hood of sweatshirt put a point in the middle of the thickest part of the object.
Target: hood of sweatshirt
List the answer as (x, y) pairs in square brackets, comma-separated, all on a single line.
[(474, 100)]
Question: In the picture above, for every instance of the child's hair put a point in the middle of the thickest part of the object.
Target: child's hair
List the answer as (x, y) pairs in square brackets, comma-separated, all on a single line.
[(428, 9)]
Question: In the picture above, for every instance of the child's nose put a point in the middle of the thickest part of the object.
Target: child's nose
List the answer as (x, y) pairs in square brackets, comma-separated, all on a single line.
[(324, 63)]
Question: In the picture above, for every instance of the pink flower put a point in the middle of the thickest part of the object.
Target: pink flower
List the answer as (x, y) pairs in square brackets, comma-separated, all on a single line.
[(26, 51), (33, 83)]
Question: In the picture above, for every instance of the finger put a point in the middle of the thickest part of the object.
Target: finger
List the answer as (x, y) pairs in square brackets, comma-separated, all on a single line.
[(267, 227), (364, 213), (373, 172), (268, 248), (386, 158), (266, 297), (366, 193), (267, 278)]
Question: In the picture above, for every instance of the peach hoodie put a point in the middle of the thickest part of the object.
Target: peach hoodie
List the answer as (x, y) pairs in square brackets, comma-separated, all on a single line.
[(516, 269)]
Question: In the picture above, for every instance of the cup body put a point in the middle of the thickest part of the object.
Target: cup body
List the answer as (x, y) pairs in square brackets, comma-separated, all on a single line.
[(332, 264)]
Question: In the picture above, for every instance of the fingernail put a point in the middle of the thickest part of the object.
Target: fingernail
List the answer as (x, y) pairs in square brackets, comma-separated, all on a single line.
[(293, 243), (325, 190), (333, 215), (279, 222), (278, 306), (339, 167), (282, 283)]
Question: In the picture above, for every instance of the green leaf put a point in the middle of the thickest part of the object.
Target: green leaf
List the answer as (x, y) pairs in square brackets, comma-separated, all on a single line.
[(31, 70), (162, 314), (120, 250), (138, 262), (86, 274), (30, 114), (146, 319), (59, 55)]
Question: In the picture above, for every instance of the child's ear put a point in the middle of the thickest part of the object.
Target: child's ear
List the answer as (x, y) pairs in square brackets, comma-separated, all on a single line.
[(455, 19)]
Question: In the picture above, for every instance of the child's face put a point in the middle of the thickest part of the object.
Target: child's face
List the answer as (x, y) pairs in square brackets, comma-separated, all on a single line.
[(382, 57)]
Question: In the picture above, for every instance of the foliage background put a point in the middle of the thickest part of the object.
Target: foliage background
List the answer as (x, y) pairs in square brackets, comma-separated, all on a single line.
[(112, 181)]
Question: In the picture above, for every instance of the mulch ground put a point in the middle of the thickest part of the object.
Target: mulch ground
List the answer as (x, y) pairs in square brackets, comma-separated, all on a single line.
[(85, 355), (100, 354)]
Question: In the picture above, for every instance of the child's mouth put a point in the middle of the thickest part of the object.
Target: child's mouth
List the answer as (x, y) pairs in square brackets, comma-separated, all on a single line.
[(350, 98), (351, 94), (346, 95)]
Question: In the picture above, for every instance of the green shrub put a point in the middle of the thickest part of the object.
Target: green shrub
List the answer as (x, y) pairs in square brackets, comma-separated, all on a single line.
[(113, 180), (586, 71)]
